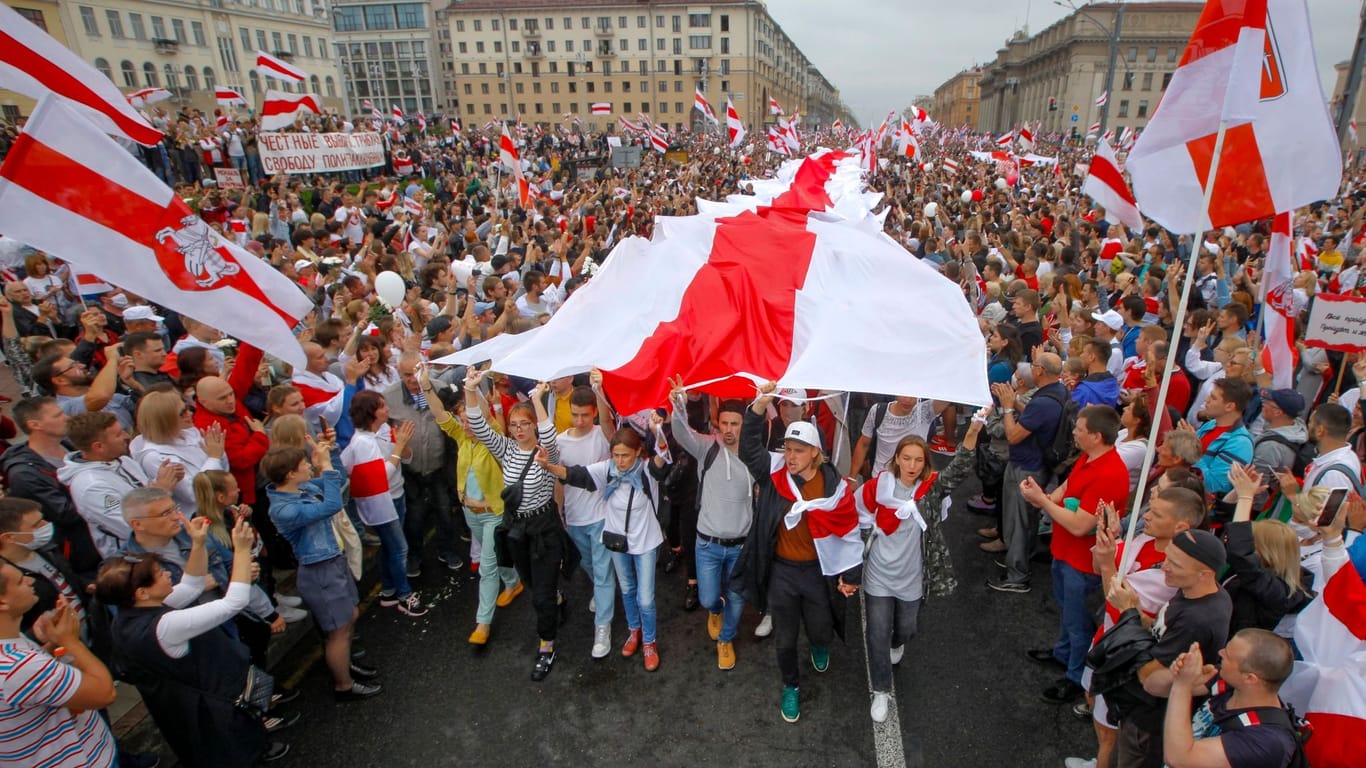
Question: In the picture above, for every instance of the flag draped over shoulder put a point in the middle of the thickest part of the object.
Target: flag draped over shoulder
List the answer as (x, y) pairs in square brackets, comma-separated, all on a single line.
[(68, 189)]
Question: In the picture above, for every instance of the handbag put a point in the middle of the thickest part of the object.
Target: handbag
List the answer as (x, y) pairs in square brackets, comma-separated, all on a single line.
[(256, 695), (616, 542), (512, 494)]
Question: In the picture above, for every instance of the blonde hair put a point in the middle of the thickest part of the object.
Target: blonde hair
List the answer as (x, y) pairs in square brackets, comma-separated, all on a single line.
[(260, 223), (289, 430), (158, 419), (207, 485), (1279, 549)]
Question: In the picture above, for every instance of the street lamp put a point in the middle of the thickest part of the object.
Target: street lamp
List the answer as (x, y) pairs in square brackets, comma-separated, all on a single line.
[(1113, 32)]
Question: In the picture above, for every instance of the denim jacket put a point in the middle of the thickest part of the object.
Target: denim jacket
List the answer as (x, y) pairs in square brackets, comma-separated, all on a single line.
[(305, 518), (220, 559)]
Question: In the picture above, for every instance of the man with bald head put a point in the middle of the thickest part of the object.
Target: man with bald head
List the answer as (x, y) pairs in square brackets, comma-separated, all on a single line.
[(219, 401), (326, 397), (1028, 430)]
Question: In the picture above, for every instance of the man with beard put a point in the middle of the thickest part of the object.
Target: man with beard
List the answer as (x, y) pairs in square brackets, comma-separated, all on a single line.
[(79, 391)]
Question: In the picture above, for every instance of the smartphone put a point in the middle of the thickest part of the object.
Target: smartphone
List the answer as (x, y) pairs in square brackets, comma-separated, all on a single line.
[(1331, 507), (322, 425)]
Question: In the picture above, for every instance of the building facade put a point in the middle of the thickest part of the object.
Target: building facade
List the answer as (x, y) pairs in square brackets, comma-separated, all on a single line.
[(388, 52), (47, 16), (191, 47), (1339, 97), (540, 60), (1068, 63), (957, 102)]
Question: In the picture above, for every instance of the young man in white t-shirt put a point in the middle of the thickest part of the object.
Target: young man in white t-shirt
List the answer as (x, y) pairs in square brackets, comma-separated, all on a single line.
[(901, 417), (353, 219), (586, 442)]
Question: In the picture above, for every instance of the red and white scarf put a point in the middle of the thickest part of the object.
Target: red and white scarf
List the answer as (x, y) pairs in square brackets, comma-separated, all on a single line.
[(878, 504), (323, 395), (832, 521)]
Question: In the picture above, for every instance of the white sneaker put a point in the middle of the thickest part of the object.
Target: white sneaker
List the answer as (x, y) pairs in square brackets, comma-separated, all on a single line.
[(765, 627), (1077, 762), (592, 605), (292, 601), (897, 653), (291, 615), (879, 709), (602, 641)]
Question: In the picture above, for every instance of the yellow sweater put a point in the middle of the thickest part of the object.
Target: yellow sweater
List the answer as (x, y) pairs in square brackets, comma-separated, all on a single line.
[(473, 453)]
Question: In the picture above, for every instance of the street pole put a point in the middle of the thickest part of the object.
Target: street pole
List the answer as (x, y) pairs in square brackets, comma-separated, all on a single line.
[(1349, 98), (1110, 70)]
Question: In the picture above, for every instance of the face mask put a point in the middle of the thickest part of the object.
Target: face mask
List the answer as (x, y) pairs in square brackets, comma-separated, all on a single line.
[(40, 537)]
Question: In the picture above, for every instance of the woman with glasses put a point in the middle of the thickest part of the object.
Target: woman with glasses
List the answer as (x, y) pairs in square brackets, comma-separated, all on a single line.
[(189, 673), (166, 433)]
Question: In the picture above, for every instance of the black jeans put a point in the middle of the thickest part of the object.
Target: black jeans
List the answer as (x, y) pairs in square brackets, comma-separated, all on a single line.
[(891, 622), (797, 594), (429, 498), (537, 559)]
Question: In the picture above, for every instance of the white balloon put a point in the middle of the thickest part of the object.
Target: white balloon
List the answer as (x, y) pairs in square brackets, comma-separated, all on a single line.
[(966, 196), (931, 210), (389, 286), (1001, 183)]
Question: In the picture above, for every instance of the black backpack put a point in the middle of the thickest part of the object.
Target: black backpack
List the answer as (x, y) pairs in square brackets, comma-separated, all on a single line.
[(1305, 452), (1274, 717), (1061, 453)]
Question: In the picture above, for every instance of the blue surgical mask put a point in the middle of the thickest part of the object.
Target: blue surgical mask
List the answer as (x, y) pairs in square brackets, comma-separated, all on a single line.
[(40, 537)]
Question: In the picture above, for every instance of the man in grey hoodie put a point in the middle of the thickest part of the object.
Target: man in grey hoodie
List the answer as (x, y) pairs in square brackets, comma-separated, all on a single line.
[(1278, 444)]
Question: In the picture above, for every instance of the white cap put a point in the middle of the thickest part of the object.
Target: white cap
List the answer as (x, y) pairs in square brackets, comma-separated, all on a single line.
[(803, 432), (1110, 317), (141, 312), (301, 263), (791, 395)]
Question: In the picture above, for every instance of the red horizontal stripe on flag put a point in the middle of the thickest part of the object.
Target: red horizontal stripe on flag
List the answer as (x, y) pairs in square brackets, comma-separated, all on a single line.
[(1104, 170), (369, 478), (49, 174)]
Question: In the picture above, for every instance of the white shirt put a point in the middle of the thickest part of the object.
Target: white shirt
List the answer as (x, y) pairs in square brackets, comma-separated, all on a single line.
[(583, 507), (893, 428), (1317, 474)]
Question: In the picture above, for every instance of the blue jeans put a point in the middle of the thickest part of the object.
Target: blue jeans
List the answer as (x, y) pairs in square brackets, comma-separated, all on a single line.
[(1075, 625), (597, 563), (482, 525), (714, 564), (393, 554), (636, 574)]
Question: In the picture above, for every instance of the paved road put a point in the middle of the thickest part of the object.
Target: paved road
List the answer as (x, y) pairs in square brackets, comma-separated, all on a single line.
[(966, 694)]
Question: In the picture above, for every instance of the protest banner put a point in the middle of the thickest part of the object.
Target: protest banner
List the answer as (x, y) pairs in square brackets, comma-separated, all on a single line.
[(228, 178), (1337, 323), (319, 152)]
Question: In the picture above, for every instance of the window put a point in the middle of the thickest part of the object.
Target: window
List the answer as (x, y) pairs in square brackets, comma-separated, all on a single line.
[(255, 81), (136, 27), (459, 25), (478, 46), (626, 88), (1123, 108), (191, 78), (379, 16), (536, 86), (494, 25), (478, 25), (1142, 107), (1166, 80), (1152, 54), (725, 45), (1171, 54), (483, 69), (699, 41), (519, 88), (92, 29), (488, 109), (678, 107), (626, 107), (725, 86), (725, 23), (1133, 53), (116, 26), (331, 87), (178, 30), (1128, 81), (591, 86), (497, 46), (550, 46), (149, 75), (678, 24), (308, 46), (103, 66), (696, 20), (469, 89), (664, 107), (549, 22), (516, 67), (678, 66), (573, 87), (130, 75), (464, 68), (512, 25), (293, 43), (516, 47), (484, 88), (725, 66), (462, 47), (275, 38), (604, 22), (569, 46), (1147, 81), (197, 32), (678, 46), (171, 76), (640, 22), (260, 36), (659, 44), (606, 86), (642, 44), (347, 20), (209, 82), (555, 88)]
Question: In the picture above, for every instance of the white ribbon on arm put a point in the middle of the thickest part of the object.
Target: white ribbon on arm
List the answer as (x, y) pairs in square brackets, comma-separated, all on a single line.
[(905, 510), (800, 506)]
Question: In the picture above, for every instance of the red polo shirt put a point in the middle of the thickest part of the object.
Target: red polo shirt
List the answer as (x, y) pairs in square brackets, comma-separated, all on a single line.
[(1104, 478)]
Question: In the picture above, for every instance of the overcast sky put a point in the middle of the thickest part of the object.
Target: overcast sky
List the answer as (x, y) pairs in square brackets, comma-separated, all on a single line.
[(881, 54)]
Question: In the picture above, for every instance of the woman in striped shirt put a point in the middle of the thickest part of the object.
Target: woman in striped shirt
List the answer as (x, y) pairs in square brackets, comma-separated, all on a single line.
[(532, 535)]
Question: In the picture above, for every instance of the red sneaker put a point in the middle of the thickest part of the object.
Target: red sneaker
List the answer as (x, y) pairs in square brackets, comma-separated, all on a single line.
[(651, 657)]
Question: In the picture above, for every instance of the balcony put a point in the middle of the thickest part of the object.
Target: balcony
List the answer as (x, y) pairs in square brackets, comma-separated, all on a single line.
[(606, 50), (166, 46), (531, 32), (602, 30), (533, 51), (283, 55)]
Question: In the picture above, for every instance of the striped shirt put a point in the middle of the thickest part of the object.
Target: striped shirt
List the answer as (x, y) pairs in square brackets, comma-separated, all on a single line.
[(539, 487), (36, 731)]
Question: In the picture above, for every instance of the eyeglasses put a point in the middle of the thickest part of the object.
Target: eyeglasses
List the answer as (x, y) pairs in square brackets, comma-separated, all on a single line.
[(169, 511), (65, 370)]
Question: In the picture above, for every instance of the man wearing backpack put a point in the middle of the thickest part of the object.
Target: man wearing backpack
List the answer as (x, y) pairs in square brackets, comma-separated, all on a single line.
[(1243, 724), (1030, 433), (1337, 465), (1284, 441)]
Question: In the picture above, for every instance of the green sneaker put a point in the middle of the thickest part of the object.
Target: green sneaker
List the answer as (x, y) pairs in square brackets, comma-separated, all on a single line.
[(820, 658), (791, 709)]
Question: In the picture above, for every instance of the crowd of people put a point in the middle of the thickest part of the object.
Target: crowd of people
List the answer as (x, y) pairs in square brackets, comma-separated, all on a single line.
[(169, 480)]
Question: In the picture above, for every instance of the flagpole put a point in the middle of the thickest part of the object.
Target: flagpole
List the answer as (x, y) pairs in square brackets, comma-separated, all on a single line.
[(1178, 323)]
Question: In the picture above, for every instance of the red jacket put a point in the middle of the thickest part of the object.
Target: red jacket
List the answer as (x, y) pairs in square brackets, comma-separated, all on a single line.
[(245, 447)]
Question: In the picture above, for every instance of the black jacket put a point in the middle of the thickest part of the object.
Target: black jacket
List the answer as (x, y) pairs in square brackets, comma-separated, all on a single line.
[(30, 476), (1260, 598)]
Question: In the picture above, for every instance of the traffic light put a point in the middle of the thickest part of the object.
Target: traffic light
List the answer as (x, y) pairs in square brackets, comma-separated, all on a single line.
[(1052, 104)]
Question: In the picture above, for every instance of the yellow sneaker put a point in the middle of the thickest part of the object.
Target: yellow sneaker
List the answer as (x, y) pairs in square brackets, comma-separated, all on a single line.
[(714, 625), (480, 635), (725, 656), (506, 597)]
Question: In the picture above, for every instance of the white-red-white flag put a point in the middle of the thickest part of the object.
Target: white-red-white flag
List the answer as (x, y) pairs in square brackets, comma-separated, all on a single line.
[(838, 125), (660, 143), (1103, 98), (507, 152), (1094, 130), (1250, 67), (949, 165), (775, 142), (145, 97), (1005, 140), (1026, 139), (396, 114), (280, 109), (421, 122), (229, 97), (699, 103), (1105, 184), (221, 121), (600, 108), (367, 104), (735, 130), (774, 108), (279, 69), (34, 64), (56, 188), (1278, 294), (1352, 130)]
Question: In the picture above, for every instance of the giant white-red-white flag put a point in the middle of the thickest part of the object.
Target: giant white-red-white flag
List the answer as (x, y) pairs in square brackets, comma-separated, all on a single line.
[(758, 286), (1105, 184), (1250, 66), (1278, 294), (34, 64), (699, 103), (68, 189), (735, 129), (280, 110), (279, 69)]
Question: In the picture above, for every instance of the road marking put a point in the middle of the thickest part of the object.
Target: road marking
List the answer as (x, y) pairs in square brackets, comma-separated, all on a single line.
[(891, 753)]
